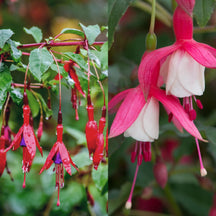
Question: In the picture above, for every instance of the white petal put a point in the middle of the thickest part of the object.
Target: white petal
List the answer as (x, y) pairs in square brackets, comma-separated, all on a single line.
[(137, 131), (185, 76), (146, 126), (191, 75), (151, 119)]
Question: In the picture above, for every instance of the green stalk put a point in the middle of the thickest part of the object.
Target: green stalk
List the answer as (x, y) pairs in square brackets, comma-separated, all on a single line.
[(166, 20), (152, 23), (173, 206)]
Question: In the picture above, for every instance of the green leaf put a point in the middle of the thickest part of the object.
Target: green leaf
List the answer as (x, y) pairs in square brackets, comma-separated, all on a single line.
[(5, 34), (16, 54), (203, 10), (116, 10), (48, 112), (77, 134), (193, 198), (35, 32), (39, 62), (100, 176), (33, 103), (16, 95), (5, 83), (82, 158), (73, 195), (78, 59), (72, 31), (91, 32)]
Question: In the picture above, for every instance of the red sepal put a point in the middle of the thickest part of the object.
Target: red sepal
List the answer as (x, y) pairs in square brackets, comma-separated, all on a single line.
[(72, 73), (98, 154), (91, 135), (2, 155)]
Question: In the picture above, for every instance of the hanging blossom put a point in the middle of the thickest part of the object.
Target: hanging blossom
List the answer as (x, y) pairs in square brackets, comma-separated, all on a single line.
[(60, 156), (2, 153), (70, 69), (181, 65), (26, 139), (139, 119), (94, 134)]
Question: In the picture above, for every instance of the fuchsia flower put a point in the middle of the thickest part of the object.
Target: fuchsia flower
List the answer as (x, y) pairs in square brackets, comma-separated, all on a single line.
[(61, 157), (134, 119), (94, 134), (2, 153), (133, 109), (182, 64), (26, 139)]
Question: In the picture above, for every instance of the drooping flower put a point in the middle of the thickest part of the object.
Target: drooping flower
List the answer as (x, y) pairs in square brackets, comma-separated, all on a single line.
[(61, 157), (26, 139), (98, 153), (140, 120), (133, 105), (91, 128), (181, 64), (2, 153)]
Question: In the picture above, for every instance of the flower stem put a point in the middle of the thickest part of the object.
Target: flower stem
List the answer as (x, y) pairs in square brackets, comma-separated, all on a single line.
[(174, 208), (55, 44), (25, 80), (59, 79), (161, 15), (152, 24), (5, 107), (101, 86)]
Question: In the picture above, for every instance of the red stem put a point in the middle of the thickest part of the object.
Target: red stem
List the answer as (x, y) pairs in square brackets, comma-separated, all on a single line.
[(54, 44)]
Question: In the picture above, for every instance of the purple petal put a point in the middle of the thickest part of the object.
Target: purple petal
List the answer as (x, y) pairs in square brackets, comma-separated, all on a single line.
[(57, 158)]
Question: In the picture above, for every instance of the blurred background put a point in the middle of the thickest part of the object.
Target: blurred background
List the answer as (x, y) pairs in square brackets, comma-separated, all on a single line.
[(186, 193), (84, 193)]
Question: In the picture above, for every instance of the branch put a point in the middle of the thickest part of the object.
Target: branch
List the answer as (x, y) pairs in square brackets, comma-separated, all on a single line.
[(56, 44)]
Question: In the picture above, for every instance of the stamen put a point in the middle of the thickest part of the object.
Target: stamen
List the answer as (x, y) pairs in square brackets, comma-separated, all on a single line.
[(128, 204), (77, 115), (140, 156), (192, 114), (147, 151), (198, 102), (24, 181), (203, 171), (187, 105), (134, 153)]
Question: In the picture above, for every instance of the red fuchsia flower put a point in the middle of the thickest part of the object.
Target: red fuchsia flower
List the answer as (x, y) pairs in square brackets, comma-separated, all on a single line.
[(91, 128), (61, 157), (2, 153), (140, 120), (98, 153), (26, 139), (40, 129)]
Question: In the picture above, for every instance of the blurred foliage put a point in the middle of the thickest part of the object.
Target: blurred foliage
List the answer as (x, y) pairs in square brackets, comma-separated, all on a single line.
[(186, 192), (40, 196)]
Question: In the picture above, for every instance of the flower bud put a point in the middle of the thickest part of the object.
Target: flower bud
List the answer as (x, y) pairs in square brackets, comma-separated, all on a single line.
[(151, 41), (98, 154), (160, 173)]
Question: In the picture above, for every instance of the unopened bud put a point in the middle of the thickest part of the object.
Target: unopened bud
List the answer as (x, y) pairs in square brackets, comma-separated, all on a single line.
[(151, 41), (160, 173)]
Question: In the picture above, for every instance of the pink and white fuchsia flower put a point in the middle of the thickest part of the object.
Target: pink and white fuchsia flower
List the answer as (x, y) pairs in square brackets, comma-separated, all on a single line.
[(181, 65), (140, 120)]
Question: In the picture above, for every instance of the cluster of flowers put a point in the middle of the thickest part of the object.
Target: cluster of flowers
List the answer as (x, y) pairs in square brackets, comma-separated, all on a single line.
[(181, 68), (59, 154)]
